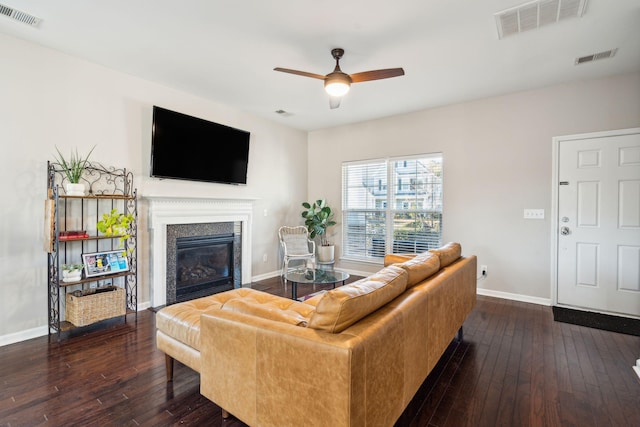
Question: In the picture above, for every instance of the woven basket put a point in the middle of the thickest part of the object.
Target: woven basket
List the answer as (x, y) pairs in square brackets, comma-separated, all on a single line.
[(93, 305)]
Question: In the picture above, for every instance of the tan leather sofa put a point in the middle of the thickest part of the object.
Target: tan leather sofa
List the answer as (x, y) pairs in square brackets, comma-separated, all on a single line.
[(353, 356)]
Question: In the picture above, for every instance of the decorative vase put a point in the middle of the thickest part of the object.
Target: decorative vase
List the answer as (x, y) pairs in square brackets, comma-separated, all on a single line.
[(74, 189), (325, 253)]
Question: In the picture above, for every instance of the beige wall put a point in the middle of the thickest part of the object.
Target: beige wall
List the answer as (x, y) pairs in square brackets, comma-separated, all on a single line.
[(497, 162), (49, 99)]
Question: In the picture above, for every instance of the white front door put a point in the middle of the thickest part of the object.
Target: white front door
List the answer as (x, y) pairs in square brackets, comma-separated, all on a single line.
[(598, 224)]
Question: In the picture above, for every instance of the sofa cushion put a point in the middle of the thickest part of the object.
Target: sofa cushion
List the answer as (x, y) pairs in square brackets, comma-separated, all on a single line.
[(390, 259), (448, 253), (314, 298), (182, 321), (342, 307), (272, 307), (420, 267)]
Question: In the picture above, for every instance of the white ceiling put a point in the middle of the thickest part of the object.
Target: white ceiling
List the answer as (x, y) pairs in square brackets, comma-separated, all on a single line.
[(225, 50)]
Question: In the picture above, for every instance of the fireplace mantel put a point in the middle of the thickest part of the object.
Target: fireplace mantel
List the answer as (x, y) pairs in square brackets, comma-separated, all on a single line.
[(182, 210)]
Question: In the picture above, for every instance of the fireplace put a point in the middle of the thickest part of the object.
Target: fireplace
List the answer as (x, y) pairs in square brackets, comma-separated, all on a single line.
[(204, 266), (173, 217), (202, 259)]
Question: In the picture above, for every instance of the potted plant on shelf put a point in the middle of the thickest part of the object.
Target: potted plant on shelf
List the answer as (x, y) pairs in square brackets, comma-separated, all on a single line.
[(73, 167), (115, 223), (72, 272), (318, 217)]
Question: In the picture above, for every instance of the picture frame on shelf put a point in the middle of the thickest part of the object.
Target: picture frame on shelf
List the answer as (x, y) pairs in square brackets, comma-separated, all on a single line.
[(105, 262)]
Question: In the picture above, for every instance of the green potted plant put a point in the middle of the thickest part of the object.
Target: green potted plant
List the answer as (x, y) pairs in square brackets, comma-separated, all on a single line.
[(71, 272), (115, 223), (73, 167), (318, 218)]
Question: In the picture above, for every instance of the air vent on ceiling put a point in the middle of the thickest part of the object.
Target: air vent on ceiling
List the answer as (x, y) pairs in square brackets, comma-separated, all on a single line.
[(594, 57), (19, 16), (535, 14)]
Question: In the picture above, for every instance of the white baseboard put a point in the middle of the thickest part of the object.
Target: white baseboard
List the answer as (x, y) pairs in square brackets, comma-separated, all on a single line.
[(23, 335), (41, 331), (357, 272), (265, 276), (514, 297)]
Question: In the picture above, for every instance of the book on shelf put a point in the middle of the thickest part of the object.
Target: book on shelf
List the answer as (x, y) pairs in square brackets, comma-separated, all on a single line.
[(73, 235)]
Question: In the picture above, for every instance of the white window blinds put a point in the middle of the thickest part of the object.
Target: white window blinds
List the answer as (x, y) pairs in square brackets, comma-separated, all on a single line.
[(391, 205)]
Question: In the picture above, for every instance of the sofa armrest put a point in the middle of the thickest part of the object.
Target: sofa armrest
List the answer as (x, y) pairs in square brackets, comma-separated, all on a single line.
[(272, 373), (449, 305)]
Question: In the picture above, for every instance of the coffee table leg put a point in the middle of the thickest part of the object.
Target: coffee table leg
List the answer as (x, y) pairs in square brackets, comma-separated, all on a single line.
[(294, 290)]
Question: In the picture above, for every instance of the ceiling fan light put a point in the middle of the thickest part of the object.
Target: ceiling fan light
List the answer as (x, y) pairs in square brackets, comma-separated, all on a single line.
[(336, 88), (337, 83)]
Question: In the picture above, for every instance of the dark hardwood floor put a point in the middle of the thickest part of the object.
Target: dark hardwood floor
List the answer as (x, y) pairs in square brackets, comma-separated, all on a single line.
[(515, 367)]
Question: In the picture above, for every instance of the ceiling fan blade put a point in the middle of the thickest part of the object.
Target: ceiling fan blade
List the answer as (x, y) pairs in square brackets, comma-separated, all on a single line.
[(334, 102), (300, 73), (366, 76)]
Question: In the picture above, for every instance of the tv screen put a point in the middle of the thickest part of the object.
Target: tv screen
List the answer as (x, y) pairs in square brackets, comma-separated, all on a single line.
[(186, 147)]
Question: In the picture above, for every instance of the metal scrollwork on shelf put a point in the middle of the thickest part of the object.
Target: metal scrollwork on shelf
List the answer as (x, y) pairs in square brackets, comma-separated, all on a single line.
[(106, 188), (100, 180)]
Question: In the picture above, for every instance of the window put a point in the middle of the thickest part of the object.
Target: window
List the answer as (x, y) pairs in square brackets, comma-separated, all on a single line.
[(407, 219)]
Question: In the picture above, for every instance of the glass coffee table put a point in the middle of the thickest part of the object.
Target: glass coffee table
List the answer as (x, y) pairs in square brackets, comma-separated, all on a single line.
[(310, 276)]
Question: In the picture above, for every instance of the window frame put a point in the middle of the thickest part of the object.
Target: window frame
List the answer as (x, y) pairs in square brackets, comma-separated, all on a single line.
[(400, 186)]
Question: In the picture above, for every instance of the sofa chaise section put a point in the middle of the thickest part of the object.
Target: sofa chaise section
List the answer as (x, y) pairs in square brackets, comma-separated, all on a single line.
[(353, 356)]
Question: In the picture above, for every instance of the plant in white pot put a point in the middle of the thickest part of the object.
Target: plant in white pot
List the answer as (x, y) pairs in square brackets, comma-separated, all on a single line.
[(73, 167), (72, 272), (318, 217)]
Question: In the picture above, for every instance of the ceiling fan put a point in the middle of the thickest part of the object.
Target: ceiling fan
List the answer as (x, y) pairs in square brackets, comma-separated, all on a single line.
[(337, 83)]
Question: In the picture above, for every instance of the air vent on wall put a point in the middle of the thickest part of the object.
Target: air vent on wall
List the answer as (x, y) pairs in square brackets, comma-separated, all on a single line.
[(535, 14), (19, 16), (594, 57)]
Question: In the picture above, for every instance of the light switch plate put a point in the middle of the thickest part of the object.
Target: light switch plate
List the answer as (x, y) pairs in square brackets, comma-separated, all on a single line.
[(534, 214)]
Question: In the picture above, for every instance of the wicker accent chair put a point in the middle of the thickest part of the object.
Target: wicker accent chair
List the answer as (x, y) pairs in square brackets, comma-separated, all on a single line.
[(296, 245)]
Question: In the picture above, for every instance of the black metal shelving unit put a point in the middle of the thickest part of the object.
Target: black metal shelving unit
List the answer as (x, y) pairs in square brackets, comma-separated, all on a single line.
[(107, 188)]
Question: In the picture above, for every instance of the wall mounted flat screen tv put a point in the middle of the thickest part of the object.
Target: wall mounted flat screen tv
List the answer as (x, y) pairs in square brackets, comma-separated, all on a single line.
[(186, 147)]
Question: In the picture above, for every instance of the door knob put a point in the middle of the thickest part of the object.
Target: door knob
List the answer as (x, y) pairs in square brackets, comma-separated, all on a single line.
[(565, 231)]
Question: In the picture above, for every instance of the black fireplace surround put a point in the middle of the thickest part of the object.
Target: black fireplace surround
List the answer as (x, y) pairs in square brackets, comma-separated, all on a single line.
[(204, 266), (202, 259)]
